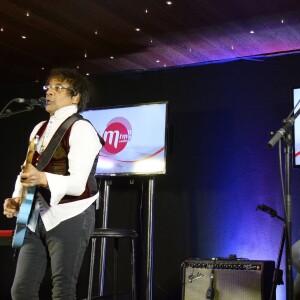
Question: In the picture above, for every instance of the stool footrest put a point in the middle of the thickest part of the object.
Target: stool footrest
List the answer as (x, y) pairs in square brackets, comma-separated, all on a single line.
[(114, 232)]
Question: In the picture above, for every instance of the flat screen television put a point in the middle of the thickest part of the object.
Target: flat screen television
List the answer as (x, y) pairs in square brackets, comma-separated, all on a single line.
[(296, 103), (135, 138)]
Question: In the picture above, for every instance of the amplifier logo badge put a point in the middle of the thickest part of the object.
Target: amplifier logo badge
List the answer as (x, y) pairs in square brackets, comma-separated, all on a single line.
[(193, 277)]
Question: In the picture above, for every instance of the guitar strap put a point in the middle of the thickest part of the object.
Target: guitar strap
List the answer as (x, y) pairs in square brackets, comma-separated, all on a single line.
[(56, 139)]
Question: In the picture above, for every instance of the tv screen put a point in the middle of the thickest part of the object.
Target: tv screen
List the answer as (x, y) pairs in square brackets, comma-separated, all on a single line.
[(135, 138), (296, 98)]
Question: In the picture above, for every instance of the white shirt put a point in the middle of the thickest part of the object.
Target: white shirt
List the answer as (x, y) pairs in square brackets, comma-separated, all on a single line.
[(84, 146)]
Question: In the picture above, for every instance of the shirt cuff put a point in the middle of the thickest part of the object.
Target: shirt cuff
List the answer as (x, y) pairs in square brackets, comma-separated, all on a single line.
[(57, 186)]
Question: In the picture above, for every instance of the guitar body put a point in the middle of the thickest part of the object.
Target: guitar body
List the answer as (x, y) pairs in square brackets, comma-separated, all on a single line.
[(23, 218), (27, 198)]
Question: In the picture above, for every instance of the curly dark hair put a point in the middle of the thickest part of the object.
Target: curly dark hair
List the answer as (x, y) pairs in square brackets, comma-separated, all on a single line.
[(79, 84)]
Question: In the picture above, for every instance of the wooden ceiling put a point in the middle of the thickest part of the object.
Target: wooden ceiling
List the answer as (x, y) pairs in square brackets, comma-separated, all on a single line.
[(100, 36)]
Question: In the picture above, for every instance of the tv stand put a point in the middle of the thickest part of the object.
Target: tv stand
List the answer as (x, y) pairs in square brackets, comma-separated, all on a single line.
[(149, 255)]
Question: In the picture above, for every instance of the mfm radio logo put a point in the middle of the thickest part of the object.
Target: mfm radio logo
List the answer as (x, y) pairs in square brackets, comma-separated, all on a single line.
[(117, 134)]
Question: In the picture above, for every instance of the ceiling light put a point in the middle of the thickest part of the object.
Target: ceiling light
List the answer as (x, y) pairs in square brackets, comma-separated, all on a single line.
[(251, 31), (169, 2), (111, 57), (282, 21), (157, 60), (96, 32), (87, 74), (23, 37), (138, 29), (85, 55), (27, 14), (146, 10), (2, 29)]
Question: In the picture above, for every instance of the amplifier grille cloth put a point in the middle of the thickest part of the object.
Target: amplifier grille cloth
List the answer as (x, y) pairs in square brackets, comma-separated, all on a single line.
[(228, 284)]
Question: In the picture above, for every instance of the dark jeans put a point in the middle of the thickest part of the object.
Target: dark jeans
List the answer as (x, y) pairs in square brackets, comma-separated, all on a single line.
[(62, 248)]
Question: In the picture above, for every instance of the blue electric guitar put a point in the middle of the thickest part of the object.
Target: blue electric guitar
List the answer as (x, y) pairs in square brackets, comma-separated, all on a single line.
[(26, 202)]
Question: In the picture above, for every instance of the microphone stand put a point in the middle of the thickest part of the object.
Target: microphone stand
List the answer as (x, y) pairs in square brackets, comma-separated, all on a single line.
[(5, 114), (288, 217), (277, 276), (285, 133)]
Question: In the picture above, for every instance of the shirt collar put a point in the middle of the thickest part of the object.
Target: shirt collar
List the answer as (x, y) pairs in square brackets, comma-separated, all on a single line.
[(64, 112)]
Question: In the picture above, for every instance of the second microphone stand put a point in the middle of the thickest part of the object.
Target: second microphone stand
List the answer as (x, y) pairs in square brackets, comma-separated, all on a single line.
[(285, 134), (277, 276), (288, 216)]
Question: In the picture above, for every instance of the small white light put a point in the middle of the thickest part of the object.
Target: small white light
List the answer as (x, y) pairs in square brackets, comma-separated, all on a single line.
[(77, 67), (146, 10), (85, 55), (232, 47), (282, 21), (138, 29), (96, 32), (23, 37), (165, 65), (151, 41), (87, 74), (27, 14), (169, 2), (111, 57), (43, 68), (158, 61), (2, 29), (252, 31)]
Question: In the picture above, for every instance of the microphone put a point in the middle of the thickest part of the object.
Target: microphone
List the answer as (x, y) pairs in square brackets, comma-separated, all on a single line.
[(288, 123), (272, 212), (32, 102)]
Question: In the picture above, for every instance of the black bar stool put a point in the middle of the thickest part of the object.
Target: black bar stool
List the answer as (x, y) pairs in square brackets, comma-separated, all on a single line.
[(116, 234)]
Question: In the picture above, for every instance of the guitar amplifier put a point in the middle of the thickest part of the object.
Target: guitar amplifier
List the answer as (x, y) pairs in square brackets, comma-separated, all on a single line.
[(227, 279), (6, 237)]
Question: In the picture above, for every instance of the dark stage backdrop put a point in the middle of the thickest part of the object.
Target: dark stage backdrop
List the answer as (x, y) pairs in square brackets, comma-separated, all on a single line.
[(219, 167)]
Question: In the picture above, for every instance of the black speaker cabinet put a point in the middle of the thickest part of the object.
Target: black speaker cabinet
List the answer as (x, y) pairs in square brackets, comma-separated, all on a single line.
[(228, 279)]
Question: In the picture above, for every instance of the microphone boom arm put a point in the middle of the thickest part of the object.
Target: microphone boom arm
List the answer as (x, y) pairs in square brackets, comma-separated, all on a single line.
[(5, 113), (9, 114)]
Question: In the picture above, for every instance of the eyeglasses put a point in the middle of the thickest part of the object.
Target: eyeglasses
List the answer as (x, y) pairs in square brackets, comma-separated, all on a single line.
[(56, 87)]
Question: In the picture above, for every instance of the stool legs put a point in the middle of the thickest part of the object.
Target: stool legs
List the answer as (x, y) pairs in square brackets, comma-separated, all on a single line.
[(133, 279), (116, 247), (101, 272), (91, 275)]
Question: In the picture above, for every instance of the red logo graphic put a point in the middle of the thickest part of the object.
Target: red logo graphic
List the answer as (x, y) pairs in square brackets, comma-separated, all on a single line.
[(116, 135)]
